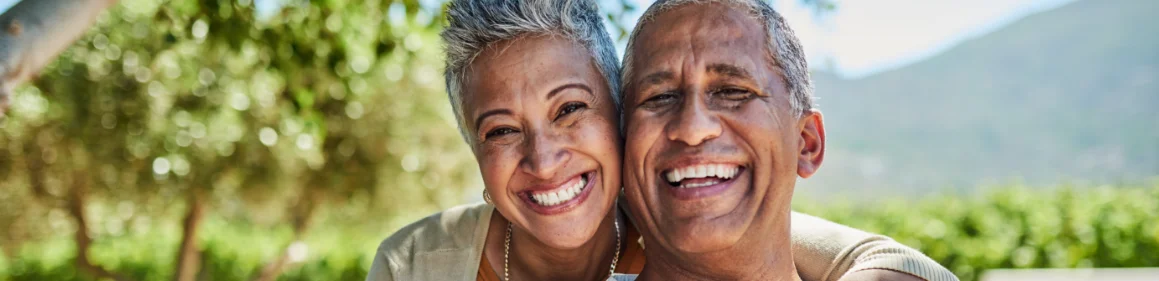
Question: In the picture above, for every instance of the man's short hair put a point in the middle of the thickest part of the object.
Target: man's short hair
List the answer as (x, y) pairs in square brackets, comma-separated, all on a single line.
[(783, 47)]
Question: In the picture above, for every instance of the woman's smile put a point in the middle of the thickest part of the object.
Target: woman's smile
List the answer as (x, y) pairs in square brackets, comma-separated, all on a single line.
[(559, 198)]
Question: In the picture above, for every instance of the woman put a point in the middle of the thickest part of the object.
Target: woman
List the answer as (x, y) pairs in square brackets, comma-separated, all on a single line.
[(534, 87)]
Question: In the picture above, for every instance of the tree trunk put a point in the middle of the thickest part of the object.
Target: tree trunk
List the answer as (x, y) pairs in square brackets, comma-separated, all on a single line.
[(302, 212), (34, 32), (189, 256), (76, 208)]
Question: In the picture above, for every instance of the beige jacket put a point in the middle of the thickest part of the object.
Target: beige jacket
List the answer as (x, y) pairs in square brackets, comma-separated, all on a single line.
[(448, 245)]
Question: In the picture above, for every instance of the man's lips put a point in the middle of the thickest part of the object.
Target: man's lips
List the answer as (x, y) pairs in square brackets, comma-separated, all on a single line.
[(700, 180), (700, 175)]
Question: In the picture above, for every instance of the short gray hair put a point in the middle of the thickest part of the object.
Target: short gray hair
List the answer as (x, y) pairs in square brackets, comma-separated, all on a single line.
[(474, 25), (783, 46)]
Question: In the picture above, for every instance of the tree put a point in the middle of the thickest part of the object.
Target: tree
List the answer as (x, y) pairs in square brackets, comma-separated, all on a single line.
[(203, 98)]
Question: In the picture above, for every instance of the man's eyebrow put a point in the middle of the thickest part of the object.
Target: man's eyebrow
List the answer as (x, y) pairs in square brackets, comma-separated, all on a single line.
[(489, 113), (657, 78), (729, 70)]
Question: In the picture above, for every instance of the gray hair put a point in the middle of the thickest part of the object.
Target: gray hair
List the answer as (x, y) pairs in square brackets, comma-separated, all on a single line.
[(783, 47), (474, 25)]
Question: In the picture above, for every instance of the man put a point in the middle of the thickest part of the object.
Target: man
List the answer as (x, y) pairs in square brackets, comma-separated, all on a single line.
[(719, 123)]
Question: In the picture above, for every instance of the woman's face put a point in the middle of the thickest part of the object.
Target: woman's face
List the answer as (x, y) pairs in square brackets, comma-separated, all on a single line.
[(544, 133)]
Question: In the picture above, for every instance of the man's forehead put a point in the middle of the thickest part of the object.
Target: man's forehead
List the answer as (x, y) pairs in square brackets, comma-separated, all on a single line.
[(716, 33)]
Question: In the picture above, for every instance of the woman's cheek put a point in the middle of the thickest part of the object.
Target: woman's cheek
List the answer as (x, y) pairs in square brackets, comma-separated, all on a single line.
[(496, 166)]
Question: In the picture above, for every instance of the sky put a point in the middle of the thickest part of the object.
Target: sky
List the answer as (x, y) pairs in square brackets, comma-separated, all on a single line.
[(863, 37)]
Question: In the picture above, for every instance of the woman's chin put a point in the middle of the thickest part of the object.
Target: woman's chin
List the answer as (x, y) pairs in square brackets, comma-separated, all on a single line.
[(567, 241), (571, 228)]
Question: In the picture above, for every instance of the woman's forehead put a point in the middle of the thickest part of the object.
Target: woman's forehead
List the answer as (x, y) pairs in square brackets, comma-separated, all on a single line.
[(529, 66)]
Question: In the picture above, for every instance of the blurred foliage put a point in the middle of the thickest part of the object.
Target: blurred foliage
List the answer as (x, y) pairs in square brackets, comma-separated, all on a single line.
[(332, 105), (1007, 227), (1017, 227), (232, 250)]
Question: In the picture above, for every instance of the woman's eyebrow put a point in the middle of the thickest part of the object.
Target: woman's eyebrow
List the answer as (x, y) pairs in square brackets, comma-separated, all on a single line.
[(489, 113), (560, 89)]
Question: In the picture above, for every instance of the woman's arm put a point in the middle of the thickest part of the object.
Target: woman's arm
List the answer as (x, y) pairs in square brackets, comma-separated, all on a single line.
[(827, 251)]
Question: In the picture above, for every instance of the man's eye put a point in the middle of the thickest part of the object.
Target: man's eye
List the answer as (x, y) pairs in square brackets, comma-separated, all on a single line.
[(660, 100), (733, 94), (570, 107), (499, 132)]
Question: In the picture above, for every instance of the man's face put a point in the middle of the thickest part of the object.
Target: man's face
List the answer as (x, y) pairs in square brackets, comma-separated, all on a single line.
[(713, 147)]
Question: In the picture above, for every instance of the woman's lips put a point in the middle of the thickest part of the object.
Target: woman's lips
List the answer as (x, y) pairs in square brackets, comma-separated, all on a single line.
[(565, 193), (562, 198)]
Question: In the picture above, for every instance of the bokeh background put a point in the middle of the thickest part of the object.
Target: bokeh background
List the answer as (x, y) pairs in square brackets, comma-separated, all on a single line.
[(283, 139)]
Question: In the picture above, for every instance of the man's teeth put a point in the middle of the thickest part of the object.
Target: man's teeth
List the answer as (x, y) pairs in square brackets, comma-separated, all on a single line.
[(721, 171), (559, 196)]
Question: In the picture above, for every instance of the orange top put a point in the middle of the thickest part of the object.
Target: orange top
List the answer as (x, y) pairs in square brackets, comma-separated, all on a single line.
[(631, 259)]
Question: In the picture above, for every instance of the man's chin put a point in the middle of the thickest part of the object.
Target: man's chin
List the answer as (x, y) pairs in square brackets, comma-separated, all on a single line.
[(704, 236)]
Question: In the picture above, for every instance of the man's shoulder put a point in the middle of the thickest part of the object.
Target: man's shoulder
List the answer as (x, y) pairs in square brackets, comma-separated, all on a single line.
[(452, 229)]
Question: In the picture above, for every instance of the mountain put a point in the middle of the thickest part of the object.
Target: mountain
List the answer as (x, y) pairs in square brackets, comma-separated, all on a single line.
[(1065, 95)]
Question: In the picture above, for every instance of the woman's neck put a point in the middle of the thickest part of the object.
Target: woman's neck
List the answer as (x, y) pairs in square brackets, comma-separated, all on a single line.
[(531, 259)]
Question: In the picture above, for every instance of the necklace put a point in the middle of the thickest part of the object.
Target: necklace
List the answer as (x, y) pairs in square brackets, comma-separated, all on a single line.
[(507, 251)]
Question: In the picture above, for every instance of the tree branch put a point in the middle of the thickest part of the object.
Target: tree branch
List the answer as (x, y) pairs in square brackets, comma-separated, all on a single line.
[(34, 32)]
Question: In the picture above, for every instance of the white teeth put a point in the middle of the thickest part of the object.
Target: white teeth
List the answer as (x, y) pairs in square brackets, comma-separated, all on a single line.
[(559, 196), (703, 184), (722, 171)]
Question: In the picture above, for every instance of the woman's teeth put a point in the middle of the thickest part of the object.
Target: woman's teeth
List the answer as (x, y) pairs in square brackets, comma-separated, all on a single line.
[(710, 174), (561, 195)]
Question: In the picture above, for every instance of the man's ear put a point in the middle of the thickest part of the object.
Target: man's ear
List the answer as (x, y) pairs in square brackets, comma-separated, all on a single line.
[(812, 143)]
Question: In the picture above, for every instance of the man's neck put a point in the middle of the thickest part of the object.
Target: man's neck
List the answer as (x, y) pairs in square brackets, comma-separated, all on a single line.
[(765, 253), (774, 265)]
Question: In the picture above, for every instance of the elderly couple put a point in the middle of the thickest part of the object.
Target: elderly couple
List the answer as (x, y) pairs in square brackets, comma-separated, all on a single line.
[(681, 167)]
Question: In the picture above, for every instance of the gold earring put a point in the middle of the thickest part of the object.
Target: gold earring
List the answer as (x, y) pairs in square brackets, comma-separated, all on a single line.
[(487, 197)]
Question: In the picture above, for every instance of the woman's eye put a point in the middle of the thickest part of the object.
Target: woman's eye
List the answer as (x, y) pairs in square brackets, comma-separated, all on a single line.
[(570, 107), (499, 132), (660, 100)]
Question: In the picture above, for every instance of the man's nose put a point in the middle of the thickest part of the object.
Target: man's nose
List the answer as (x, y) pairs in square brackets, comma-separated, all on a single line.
[(695, 124), (544, 155)]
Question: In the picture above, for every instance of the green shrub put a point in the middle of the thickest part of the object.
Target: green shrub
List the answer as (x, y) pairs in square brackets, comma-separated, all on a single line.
[(1017, 227), (1012, 227)]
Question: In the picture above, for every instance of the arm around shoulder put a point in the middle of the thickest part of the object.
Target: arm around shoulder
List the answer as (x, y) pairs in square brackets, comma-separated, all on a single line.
[(827, 251)]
